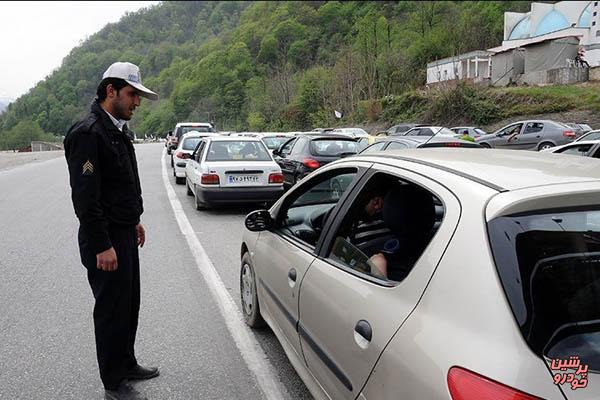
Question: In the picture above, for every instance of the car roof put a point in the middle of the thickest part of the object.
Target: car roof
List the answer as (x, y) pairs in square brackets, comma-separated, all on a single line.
[(500, 169), (222, 138), (193, 124), (320, 135), (192, 134), (421, 139)]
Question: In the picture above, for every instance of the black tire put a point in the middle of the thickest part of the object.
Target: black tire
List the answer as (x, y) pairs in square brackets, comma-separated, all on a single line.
[(179, 181), (544, 145), (249, 295), (189, 190), (168, 151), (172, 163), (485, 145)]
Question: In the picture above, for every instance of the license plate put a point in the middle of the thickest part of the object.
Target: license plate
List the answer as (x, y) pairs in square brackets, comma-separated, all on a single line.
[(237, 179)]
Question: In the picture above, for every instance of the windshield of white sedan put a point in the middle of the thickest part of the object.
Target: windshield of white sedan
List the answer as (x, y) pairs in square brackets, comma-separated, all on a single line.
[(549, 265), (237, 151), (329, 147)]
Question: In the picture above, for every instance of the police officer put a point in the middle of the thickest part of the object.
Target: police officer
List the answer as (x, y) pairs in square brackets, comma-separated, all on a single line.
[(107, 197)]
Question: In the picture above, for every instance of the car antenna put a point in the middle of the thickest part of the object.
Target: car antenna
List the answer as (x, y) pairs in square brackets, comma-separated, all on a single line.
[(438, 131)]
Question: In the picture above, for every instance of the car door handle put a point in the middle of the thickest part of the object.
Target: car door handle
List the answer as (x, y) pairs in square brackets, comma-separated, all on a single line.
[(292, 275), (363, 328)]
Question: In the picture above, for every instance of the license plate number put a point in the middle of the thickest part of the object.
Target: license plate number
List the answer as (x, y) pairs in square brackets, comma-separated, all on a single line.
[(242, 179)]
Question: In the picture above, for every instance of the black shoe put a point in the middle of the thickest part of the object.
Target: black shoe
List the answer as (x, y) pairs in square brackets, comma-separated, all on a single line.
[(138, 373), (124, 392)]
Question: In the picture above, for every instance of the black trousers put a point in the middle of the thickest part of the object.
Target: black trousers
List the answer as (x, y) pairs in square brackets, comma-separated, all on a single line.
[(116, 310)]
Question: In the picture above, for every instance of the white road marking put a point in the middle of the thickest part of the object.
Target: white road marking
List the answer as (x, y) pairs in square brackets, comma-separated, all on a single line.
[(252, 353)]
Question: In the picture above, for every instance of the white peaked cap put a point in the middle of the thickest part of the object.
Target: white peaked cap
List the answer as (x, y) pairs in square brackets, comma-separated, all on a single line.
[(130, 73)]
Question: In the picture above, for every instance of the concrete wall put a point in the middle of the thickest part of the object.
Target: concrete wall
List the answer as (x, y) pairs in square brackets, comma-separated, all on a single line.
[(557, 76), (443, 72)]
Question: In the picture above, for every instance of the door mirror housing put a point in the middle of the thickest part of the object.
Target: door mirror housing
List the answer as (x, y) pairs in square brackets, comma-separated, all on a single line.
[(276, 153), (259, 220)]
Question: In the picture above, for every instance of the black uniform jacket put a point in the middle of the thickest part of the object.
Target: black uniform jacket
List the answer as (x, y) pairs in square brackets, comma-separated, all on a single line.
[(105, 185)]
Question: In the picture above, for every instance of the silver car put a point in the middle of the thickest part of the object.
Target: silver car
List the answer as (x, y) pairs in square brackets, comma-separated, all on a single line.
[(434, 274), (529, 135)]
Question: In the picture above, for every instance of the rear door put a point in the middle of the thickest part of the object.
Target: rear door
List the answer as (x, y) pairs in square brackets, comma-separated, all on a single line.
[(288, 167), (347, 315), (193, 171), (531, 136)]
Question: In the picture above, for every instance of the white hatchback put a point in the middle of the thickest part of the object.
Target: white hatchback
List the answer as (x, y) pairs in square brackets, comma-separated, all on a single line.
[(183, 152), (233, 170)]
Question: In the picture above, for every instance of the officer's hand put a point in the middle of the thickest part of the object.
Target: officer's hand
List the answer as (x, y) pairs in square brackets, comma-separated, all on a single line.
[(107, 260), (141, 234)]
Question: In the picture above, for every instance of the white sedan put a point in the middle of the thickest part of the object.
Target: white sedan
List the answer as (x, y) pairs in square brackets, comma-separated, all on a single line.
[(183, 152), (232, 170), (587, 148)]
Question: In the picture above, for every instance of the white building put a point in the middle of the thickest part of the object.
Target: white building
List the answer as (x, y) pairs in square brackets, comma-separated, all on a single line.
[(474, 65), (552, 21)]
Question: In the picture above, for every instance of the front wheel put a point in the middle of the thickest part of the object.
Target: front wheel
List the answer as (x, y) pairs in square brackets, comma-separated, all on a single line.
[(250, 307), (179, 181)]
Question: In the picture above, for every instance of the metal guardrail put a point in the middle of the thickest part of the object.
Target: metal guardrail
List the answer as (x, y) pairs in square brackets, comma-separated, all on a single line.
[(45, 146)]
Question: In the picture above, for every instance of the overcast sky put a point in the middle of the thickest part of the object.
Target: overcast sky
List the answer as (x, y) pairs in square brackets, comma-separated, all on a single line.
[(35, 36)]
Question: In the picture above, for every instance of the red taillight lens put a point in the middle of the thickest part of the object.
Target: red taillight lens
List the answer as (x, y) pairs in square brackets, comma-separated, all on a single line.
[(569, 134), (467, 385), (276, 178), (182, 155), (209, 179), (310, 163)]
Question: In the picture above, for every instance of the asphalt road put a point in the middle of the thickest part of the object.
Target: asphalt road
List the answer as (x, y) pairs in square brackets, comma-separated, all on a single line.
[(46, 326)]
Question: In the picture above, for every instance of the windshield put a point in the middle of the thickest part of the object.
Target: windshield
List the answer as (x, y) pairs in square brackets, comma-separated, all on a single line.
[(190, 143), (333, 147), (549, 266), (274, 142), (237, 151), (591, 136)]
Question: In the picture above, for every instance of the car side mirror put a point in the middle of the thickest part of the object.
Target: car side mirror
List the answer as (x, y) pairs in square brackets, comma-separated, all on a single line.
[(276, 153), (259, 220)]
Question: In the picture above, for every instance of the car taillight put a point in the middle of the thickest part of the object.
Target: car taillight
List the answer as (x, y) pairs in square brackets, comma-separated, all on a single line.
[(452, 144), (182, 155), (569, 134), (209, 179), (276, 178), (467, 385), (310, 163)]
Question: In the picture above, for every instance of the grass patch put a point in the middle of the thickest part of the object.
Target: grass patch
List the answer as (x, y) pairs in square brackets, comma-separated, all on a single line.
[(468, 104)]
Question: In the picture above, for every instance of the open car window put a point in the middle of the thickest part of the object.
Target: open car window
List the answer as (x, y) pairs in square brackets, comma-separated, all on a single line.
[(386, 229), (305, 216)]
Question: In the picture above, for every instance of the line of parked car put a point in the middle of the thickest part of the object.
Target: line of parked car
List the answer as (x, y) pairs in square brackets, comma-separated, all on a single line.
[(459, 326), (230, 168)]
